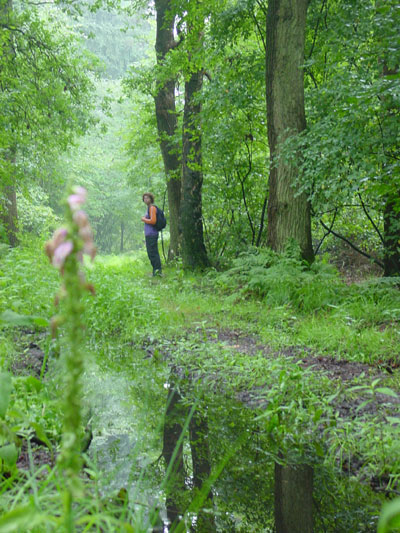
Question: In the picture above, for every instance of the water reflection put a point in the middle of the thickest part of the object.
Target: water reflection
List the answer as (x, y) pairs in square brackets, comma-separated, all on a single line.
[(189, 499)]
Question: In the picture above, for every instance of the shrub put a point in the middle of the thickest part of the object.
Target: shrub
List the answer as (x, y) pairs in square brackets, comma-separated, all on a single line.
[(283, 279)]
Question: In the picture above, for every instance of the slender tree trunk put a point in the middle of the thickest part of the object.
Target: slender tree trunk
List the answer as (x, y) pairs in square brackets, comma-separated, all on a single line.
[(8, 197), (198, 434), (167, 123), (391, 215), (391, 237), (8, 209), (121, 247), (9, 214), (293, 499), (194, 253), (288, 214)]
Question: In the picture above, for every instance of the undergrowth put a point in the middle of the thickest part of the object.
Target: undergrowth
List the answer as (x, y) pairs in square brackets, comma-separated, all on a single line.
[(312, 305)]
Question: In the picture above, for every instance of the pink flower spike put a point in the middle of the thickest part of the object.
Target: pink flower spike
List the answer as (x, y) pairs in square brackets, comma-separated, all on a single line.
[(90, 249), (80, 191), (75, 201), (59, 236), (86, 234), (80, 217), (61, 253)]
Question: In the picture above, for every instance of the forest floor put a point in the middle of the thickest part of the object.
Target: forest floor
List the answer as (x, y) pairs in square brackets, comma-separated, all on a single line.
[(341, 362)]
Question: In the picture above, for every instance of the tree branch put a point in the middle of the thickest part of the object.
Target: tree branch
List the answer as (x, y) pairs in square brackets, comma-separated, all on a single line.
[(370, 219), (316, 29), (326, 234), (259, 31), (376, 261), (242, 181)]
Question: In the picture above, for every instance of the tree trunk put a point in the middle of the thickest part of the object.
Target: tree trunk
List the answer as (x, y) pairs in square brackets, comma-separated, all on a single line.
[(194, 253), (8, 209), (293, 499), (198, 435), (9, 212), (288, 214), (391, 214), (391, 236), (167, 123), (121, 247)]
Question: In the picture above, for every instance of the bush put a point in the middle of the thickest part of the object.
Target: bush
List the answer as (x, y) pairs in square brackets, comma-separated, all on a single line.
[(283, 279)]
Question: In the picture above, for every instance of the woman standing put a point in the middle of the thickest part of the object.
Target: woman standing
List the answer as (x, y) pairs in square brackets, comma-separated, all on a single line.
[(151, 234)]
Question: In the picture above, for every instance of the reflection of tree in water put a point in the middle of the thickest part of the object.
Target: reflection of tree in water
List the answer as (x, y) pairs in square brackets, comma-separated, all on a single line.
[(178, 499), (198, 436), (173, 454), (189, 500)]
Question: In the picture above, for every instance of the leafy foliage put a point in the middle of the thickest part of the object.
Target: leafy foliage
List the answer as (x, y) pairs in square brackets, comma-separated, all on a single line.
[(45, 98)]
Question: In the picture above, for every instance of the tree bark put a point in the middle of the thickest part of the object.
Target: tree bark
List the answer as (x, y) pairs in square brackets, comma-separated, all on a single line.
[(194, 253), (167, 123), (288, 214), (293, 499)]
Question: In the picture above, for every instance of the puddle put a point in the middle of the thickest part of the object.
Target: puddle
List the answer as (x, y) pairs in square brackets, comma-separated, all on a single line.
[(117, 444)]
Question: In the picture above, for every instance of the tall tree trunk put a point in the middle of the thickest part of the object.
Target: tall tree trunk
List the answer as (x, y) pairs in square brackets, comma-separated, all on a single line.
[(391, 237), (293, 499), (8, 198), (121, 246), (391, 214), (167, 123), (9, 213), (194, 253), (198, 435), (288, 215)]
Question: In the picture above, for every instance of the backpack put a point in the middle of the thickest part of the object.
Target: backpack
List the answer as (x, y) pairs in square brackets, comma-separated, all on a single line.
[(161, 221)]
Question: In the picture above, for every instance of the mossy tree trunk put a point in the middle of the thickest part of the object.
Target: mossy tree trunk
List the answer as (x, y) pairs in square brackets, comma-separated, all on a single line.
[(288, 213), (194, 253), (167, 123)]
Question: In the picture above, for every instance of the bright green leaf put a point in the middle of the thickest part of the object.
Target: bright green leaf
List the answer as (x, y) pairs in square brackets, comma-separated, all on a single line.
[(5, 391), (9, 454)]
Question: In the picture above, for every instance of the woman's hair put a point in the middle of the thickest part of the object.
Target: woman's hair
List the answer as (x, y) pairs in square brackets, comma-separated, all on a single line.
[(151, 196)]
